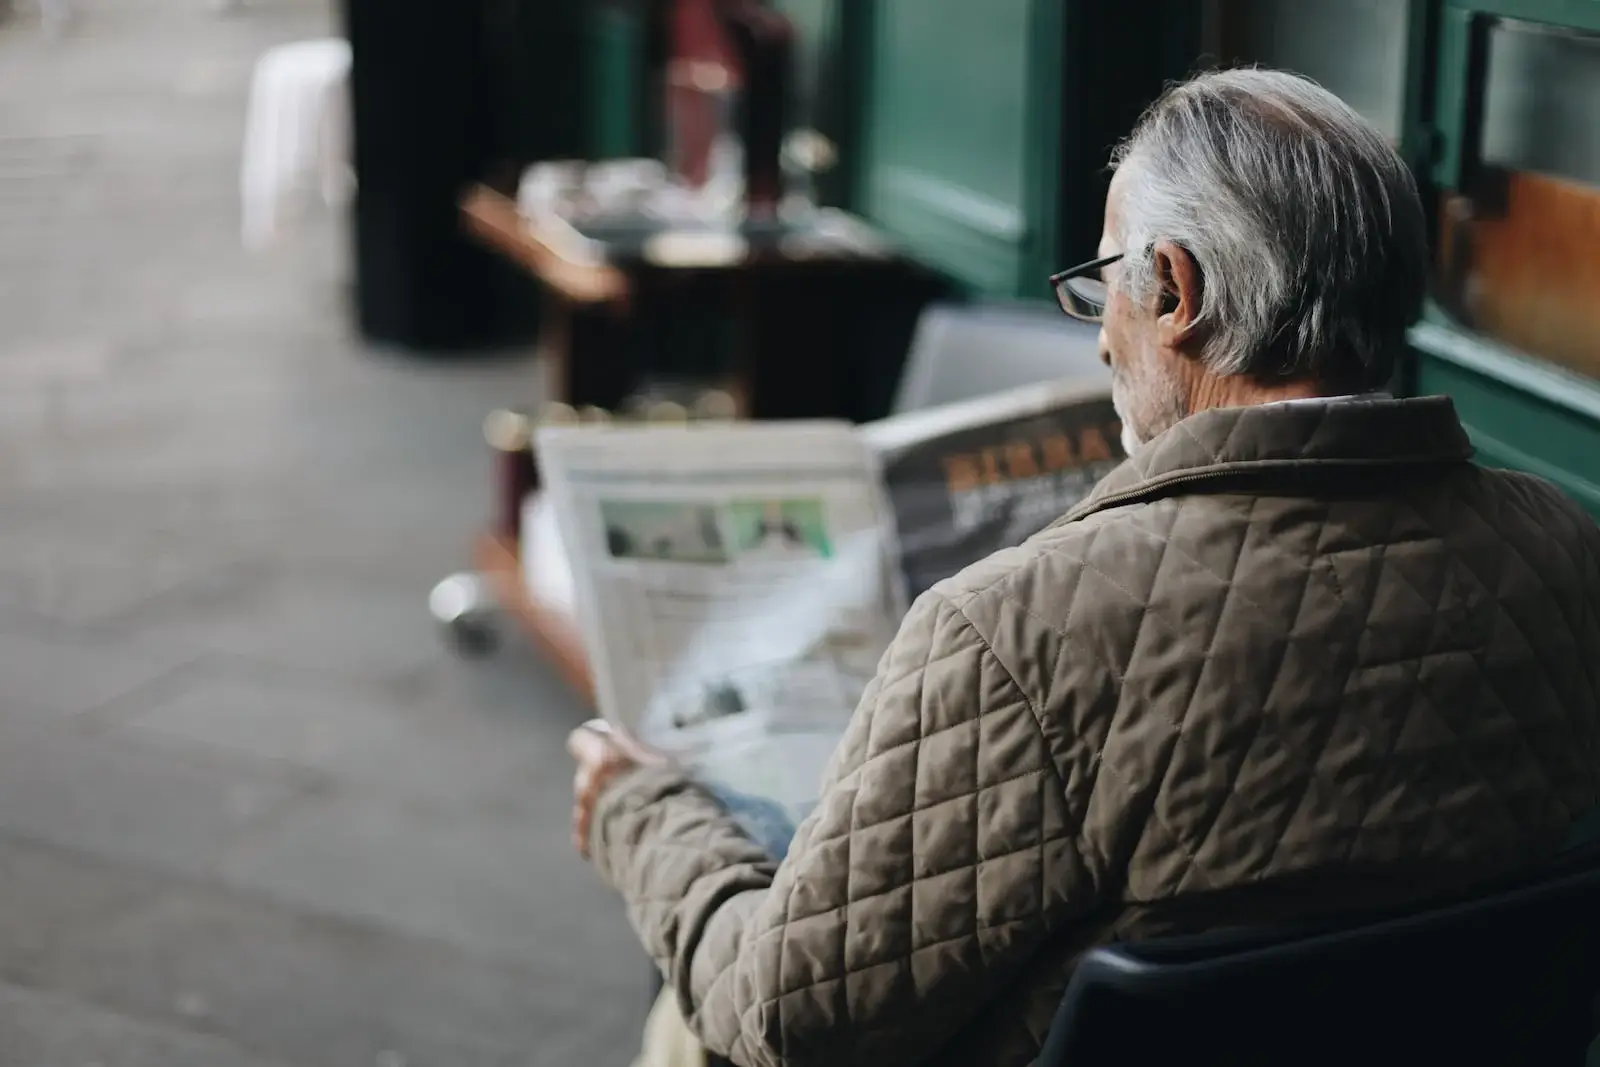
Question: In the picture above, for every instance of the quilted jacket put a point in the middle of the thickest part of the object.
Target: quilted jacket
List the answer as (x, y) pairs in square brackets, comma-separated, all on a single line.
[(1288, 660)]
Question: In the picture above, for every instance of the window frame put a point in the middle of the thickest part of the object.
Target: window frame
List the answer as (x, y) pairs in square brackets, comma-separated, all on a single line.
[(1520, 409)]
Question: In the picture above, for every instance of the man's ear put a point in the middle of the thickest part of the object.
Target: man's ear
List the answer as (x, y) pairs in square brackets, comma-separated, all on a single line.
[(1182, 292)]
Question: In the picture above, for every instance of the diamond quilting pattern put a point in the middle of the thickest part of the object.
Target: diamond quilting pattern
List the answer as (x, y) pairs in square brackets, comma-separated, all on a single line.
[(1178, 694)]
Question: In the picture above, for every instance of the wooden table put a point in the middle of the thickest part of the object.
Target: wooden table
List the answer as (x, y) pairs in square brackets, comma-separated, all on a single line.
[(586, 302), (819, 332), (493, 218), (548, 623), (818, 319)]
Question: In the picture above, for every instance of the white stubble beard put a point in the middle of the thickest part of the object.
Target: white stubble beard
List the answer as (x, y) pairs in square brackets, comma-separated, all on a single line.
[(1131, 441), (1164, 403)]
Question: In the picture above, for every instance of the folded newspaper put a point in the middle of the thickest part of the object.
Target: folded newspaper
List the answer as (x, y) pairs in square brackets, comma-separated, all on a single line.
[(737, 584)]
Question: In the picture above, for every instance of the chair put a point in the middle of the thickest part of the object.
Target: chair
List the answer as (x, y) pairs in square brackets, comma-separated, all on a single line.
[(1509, 980), (961, 351), (297, 136)]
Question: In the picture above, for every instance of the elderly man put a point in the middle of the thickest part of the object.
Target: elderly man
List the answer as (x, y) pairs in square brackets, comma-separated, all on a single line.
[(1297, 656)]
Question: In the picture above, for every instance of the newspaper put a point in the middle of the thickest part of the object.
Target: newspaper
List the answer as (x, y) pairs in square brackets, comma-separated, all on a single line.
[(735, 587), (966, 480), (737, 584)]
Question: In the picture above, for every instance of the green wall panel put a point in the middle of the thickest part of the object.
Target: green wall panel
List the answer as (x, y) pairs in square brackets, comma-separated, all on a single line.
[(1520, 413), (959, 122), (616, 63)]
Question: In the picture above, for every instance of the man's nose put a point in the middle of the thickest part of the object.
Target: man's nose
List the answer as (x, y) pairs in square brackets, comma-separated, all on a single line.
[(1105, 348)]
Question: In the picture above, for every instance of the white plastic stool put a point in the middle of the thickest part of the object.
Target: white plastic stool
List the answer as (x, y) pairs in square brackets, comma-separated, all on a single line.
[(297, 137), (53, 16)]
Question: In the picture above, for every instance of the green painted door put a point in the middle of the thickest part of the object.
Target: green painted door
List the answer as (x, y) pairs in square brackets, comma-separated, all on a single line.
[(960, 117), (616, 60)]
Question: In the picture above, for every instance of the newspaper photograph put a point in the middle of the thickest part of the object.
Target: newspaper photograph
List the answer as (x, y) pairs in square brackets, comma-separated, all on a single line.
[(735, 586), (966, 480)]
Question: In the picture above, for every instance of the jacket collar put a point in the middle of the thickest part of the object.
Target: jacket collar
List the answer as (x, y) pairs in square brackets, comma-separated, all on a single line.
[(1262, 443)]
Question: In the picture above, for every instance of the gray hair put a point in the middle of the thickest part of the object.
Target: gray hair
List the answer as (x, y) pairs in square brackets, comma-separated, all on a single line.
[(1305, 224)]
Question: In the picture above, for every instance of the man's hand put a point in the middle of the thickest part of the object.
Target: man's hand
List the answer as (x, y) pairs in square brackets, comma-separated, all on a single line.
[(602, 756)]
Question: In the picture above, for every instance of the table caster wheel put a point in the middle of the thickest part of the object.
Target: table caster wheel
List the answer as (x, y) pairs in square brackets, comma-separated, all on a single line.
[(472, 639), (464, 610)]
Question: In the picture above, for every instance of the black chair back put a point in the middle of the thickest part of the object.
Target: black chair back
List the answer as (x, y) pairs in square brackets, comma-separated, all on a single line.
[(1509, 980)]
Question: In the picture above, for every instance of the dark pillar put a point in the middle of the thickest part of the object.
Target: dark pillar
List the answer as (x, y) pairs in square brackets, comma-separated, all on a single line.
[(438, 104)]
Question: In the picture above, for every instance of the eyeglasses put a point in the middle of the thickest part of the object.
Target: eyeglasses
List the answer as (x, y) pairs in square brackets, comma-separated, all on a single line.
[(1081, 291)]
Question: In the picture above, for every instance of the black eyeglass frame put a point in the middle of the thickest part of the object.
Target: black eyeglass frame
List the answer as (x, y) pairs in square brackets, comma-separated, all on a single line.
[(1085, 300)]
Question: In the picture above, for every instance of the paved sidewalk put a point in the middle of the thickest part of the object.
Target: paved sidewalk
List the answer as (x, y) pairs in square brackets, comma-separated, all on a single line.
[(251, 811)]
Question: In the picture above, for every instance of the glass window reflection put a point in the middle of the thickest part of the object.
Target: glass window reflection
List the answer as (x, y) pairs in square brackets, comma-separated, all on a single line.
[(1520, 243)]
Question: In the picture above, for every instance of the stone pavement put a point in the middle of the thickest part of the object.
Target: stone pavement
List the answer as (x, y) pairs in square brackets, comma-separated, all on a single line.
[(252, 812)]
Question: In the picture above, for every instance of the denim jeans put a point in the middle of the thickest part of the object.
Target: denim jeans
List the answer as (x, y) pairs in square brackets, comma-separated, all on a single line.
[(767, 824)]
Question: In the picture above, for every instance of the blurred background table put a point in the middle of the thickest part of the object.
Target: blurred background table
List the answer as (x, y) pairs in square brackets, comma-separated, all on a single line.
[(803, 320)]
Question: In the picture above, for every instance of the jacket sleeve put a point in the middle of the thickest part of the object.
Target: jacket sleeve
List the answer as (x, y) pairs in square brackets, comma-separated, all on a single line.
[(942, 855)]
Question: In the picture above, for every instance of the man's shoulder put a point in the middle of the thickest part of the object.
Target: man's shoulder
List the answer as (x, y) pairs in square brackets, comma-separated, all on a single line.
[(1520, 495), (1116, 556), (1534, 519), (1041, 576)]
